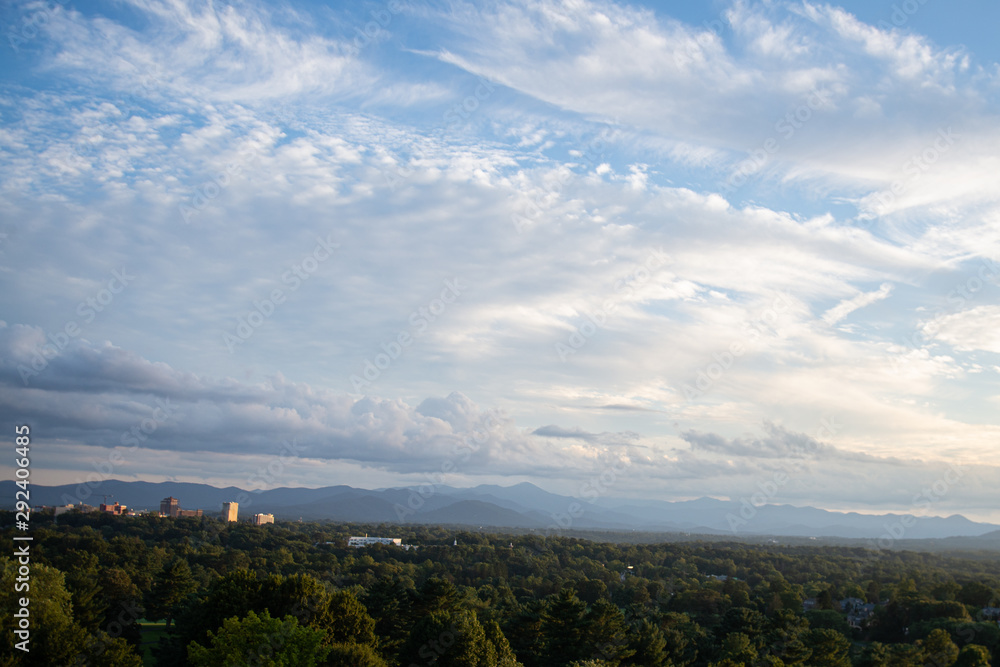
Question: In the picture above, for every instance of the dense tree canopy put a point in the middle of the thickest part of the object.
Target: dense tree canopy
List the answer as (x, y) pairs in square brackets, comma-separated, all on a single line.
[(283, 592)]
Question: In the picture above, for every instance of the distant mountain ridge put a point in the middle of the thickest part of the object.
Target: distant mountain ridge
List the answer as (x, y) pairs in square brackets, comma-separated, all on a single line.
[(521, 506)]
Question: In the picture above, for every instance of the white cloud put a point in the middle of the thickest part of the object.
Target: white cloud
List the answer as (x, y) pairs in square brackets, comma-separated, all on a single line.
[(848, 306), (974, 329), (887, 94), (225, 54), (912, 57)]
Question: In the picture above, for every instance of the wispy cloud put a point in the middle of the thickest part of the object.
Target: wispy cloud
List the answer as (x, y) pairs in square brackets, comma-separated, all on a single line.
[(848, 306), (974, 329)]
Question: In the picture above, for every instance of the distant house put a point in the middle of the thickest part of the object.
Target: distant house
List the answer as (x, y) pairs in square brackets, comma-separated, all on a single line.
[(858, 611), (262, 519), (991, 613)]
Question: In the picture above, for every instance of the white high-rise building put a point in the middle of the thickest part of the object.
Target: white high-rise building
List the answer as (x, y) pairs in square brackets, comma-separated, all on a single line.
[(229, 511)]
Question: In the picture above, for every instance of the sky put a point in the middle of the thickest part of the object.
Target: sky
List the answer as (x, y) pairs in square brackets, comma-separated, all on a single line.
[(683, 249)]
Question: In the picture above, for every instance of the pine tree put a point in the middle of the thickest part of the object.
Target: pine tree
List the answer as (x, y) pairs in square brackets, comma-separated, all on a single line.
[(829, 648), (563, 629), (605, 632), (348, 621), (170, 587), (939, 649), (648, 645)]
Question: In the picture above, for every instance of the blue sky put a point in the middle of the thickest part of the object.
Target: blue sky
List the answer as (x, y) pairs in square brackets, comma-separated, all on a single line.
[(339, 241)]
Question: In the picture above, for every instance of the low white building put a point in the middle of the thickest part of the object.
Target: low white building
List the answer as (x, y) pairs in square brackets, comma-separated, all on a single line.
[(368, 541), (62, 509)]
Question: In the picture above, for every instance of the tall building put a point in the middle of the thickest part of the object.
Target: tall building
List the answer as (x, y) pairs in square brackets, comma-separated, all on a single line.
[(169, 506), (261, 519), (117, 509), (229, 511)]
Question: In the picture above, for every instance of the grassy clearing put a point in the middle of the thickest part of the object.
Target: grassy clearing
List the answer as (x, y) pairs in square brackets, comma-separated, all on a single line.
[(151, 633)]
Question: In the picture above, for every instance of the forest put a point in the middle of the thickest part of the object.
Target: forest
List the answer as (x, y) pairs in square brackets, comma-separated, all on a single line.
[(132, 591)]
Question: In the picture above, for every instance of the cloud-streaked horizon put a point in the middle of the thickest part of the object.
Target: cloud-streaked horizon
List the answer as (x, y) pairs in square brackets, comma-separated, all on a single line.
[(600, 231)]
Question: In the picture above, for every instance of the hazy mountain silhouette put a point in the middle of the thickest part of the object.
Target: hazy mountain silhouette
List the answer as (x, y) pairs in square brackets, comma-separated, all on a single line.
[(521, 506)]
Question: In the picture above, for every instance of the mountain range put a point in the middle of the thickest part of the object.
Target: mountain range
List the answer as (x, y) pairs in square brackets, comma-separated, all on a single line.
[(523, 506)]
